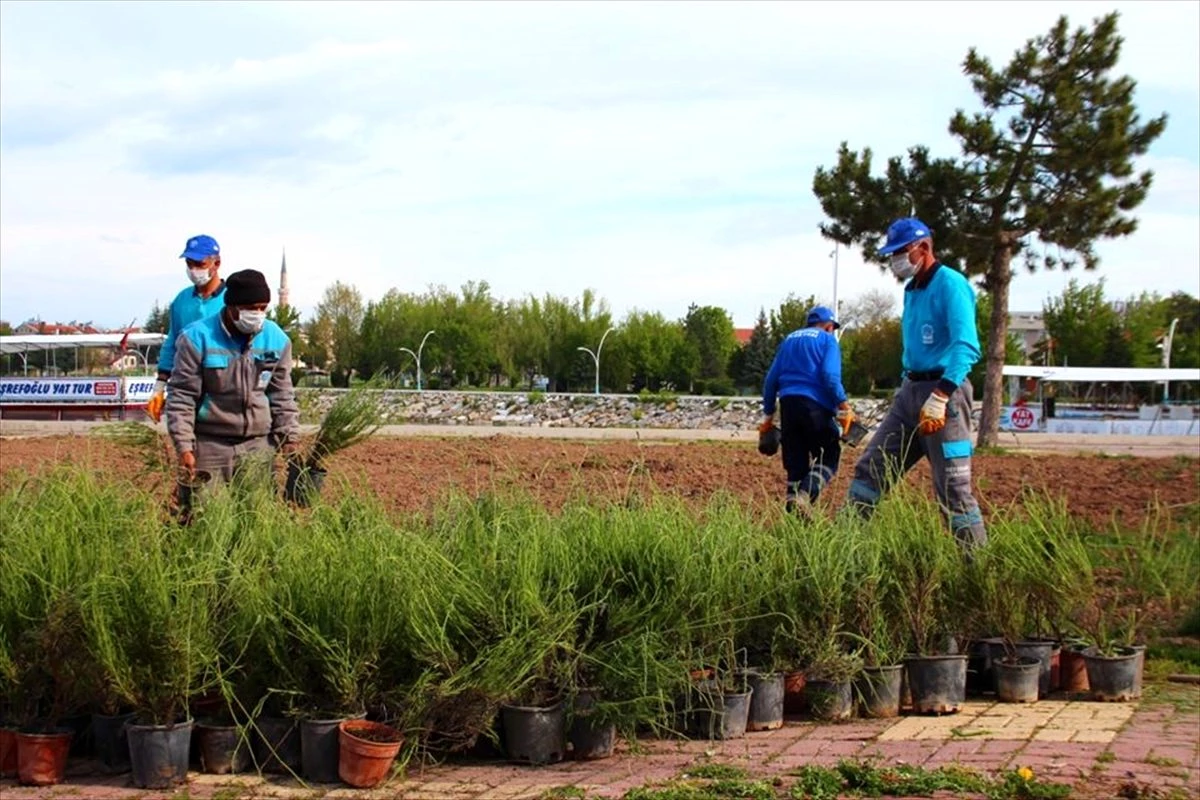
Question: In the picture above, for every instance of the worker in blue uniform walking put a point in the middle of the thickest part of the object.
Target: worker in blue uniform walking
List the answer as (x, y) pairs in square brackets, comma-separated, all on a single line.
[(814, 413), (202, 299), (930, 415)]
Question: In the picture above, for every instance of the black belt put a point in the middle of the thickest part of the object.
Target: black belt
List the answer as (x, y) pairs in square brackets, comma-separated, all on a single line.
[(931, 375)]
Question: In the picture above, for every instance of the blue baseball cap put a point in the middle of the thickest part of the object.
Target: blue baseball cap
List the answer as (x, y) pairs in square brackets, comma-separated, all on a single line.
[(820, 315), (902, 233), (200, 247)]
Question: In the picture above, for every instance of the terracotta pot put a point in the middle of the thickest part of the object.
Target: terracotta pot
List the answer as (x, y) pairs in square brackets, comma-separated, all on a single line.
[(364, 763), (1073, 671), (793, 693), (8, 752), (42, 757)]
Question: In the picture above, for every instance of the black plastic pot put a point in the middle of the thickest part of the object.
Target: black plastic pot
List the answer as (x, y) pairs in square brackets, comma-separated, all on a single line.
[(303, 484), (534, 734), (82, 743), (591, 740), (980, 652), (158, 754), (766, 701), (224, 749), (111, 741), (1043, 651), (277, 745), (188, 493), (1113, 679), (878, 690), (1140, 649), (319, 748), (938, 683), (829, 700), (726, 721), (1018, 679)]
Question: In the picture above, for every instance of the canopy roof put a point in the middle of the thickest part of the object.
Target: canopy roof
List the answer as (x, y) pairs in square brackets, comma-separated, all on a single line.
[(34, 342), (1102, 374)]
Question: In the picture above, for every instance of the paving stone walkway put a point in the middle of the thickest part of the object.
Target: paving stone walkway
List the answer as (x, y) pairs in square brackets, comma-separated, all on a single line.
[(1100, 749)]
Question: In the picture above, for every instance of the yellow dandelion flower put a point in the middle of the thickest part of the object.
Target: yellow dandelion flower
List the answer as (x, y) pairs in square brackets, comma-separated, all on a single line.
[(1026, 773)]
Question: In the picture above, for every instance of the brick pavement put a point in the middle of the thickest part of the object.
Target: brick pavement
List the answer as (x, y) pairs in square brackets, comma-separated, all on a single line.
[(1095, 747)]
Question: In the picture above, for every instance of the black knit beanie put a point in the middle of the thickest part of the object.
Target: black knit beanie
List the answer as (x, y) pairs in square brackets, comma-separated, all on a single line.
[(246, 288)]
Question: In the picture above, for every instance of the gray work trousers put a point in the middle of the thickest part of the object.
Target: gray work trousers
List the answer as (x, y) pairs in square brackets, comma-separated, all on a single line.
[(897, 446), (220, 457)]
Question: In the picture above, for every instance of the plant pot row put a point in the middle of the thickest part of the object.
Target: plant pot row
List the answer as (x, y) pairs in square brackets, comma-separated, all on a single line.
[(1074, 670), (929, 684), (157, 755), (539, 735)]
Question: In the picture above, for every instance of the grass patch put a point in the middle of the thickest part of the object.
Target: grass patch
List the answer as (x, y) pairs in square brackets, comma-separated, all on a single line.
[(1107, 757), (562, 793), (1183, 697), (862, 779), (716, 772), (716, 790), (1162, 761)]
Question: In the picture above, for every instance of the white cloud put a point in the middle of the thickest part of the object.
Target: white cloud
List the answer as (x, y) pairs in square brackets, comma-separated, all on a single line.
[(661, 153)]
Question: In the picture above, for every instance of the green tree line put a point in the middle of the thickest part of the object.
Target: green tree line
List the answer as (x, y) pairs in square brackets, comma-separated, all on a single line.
[(481, 341)]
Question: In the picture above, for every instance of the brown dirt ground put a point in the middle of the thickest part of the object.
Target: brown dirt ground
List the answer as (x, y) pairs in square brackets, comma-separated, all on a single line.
[(412, 474)]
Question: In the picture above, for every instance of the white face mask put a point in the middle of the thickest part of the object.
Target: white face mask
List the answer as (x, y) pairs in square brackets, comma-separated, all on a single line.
[(250, 322), (199, 277), (901, 267)]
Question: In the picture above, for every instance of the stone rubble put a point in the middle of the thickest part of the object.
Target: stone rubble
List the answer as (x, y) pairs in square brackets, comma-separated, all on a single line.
[(516, 409)]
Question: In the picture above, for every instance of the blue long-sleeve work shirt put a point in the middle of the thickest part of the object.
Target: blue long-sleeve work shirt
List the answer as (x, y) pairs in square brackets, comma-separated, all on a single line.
[(939, 326), (808, 363), (187, 307)]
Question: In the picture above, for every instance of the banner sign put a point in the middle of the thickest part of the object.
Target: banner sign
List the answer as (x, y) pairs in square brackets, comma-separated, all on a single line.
[(1020, 418), (106, 389)]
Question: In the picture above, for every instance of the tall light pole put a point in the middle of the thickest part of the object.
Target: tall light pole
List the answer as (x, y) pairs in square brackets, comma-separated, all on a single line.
[(836, 313), (596, 356), (1166, 348), (417, 356)]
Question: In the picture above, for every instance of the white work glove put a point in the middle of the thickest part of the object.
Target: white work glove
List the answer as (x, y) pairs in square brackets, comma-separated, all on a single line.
[(157, 400), (933, 413)]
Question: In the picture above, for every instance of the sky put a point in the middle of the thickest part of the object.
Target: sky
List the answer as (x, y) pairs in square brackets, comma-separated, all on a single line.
[(661, 154)]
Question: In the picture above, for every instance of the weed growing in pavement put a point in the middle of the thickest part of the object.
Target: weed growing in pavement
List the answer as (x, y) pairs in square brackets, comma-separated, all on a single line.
[(1107, 757), (563, 793), (716, 790), (227, 793), (715, 772), (862, 779)]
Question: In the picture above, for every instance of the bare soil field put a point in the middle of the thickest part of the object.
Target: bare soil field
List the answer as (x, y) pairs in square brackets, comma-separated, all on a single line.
[(414, 473)]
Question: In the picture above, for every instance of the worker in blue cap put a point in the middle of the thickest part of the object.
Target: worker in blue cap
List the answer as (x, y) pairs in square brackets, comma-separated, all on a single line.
[(200, 300), (931, 414), (814, 413)]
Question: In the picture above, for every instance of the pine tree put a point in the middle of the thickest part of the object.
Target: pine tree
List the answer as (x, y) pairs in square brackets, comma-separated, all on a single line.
[(1046, 171)]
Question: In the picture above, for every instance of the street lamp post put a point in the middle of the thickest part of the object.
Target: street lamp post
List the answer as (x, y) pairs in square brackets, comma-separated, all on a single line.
[(596, 356), (1166, 348), (836, 314), (417, 356)]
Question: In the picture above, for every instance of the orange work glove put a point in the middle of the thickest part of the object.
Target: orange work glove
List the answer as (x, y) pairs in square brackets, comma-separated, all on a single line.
[(187, 464), (845, 418), (933, 413), (767, 423), (157, 400)]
